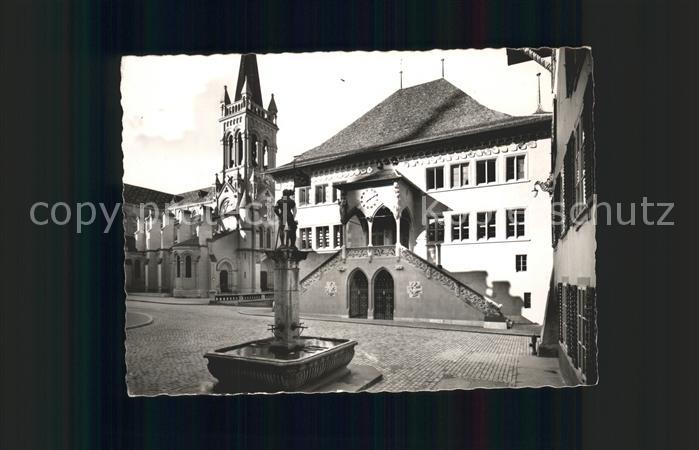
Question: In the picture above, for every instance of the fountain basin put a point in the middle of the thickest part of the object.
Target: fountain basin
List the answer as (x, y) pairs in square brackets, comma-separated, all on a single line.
[(259, 366)]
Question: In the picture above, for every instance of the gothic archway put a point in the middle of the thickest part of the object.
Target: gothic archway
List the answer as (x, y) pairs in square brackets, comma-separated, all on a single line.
[(383, 295), (383, 230), (358, 294), (357, 230), (223, 282)]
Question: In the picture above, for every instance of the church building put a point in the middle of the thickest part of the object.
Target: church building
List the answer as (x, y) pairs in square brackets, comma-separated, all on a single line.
[(423, 209)]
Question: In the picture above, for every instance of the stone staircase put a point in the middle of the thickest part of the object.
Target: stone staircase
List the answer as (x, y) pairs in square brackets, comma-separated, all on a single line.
[(470, 297)]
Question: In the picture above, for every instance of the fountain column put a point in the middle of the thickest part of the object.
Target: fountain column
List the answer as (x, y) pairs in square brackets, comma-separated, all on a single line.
[(286, 297)]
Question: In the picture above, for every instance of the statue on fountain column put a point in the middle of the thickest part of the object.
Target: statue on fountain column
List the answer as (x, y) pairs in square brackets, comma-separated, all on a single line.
[(285, 210)]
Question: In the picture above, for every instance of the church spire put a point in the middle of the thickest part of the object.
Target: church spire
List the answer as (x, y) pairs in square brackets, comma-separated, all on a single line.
[(226, 97), (248, 79), (272, 108)]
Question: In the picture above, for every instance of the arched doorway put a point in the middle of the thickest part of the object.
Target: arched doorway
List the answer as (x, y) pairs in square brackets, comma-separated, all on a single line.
[(383, 295), (358, 295), (223, 281), (383, 229)]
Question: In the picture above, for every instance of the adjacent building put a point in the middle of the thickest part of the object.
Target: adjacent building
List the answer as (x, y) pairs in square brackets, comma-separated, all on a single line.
[(570, 326)]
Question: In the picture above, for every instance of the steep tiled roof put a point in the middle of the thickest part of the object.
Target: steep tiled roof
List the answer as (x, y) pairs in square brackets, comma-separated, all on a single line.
[(137, 195), (202, 195), (191, 242), (428, 110)]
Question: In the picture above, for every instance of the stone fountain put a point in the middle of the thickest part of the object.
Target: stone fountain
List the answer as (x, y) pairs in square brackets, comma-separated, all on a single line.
[(287, 361)]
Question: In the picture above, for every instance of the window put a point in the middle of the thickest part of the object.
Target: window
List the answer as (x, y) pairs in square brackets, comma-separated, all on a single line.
[(337, 235), (137, 269), (253, 151), (231, 148), (582, 328), (520, 263), (514, 168), (459, 175), (434, 177), (557, 210), (527, 299), (435, 229), (578, 136), (261, 235), (188, 266), (569, 182), (588, 144), (486, 225), (239, 143), (304, 194), (177, 265), (322, 237), (321, 193), (515, 222), (336, 194), (305, 234), (485, 171), (269, 238), (459, 227), (265, 155)]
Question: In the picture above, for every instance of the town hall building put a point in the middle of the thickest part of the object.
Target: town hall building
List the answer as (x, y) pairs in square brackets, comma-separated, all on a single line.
[(423, 209)]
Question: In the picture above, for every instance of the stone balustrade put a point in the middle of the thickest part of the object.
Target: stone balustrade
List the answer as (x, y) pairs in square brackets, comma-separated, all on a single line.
[(238, 299)]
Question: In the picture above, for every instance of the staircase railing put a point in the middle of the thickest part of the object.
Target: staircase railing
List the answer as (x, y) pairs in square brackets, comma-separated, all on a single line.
[(242, 299), (461, 290), (315, 274)]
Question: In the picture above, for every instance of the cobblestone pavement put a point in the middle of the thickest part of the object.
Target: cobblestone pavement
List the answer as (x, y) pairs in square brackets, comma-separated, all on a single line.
[(167, 356)]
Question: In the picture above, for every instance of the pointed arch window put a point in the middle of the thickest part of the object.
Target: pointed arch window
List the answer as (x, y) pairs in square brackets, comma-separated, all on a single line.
[(188, 266), (253, 151), (265, 155), (239, 144), (229, 149)]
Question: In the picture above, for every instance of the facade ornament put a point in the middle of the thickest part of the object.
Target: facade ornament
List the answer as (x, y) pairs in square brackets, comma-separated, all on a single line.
[(330, 289), (414, 289), (546, 186)]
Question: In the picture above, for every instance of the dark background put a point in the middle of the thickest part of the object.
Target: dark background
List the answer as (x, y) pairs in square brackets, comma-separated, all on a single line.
[(62, 319)]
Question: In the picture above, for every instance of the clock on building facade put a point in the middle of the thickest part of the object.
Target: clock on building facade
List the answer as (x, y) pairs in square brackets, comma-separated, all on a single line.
[(369, 199)]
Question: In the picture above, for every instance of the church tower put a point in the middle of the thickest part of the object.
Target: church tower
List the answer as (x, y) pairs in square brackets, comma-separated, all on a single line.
[(249, 141), (244, 192)]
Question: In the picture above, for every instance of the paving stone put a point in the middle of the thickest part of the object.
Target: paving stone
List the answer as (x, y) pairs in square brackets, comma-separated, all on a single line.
[(167, 356)]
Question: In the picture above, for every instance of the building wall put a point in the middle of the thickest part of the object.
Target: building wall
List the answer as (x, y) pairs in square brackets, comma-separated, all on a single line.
[(495, 256), (435, 303), (574, 253)]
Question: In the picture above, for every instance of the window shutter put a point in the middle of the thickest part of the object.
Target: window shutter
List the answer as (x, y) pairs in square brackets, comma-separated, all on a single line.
[(561, 318), (589, 143), (591, 338), (569, 184), (555, 207), (571, 320)]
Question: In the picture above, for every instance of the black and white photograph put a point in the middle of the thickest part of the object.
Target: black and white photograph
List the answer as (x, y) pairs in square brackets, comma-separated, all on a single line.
[(329, 224), (360, 221)]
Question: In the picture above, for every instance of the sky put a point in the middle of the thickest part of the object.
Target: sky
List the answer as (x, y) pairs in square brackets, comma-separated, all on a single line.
[(171, 135)]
